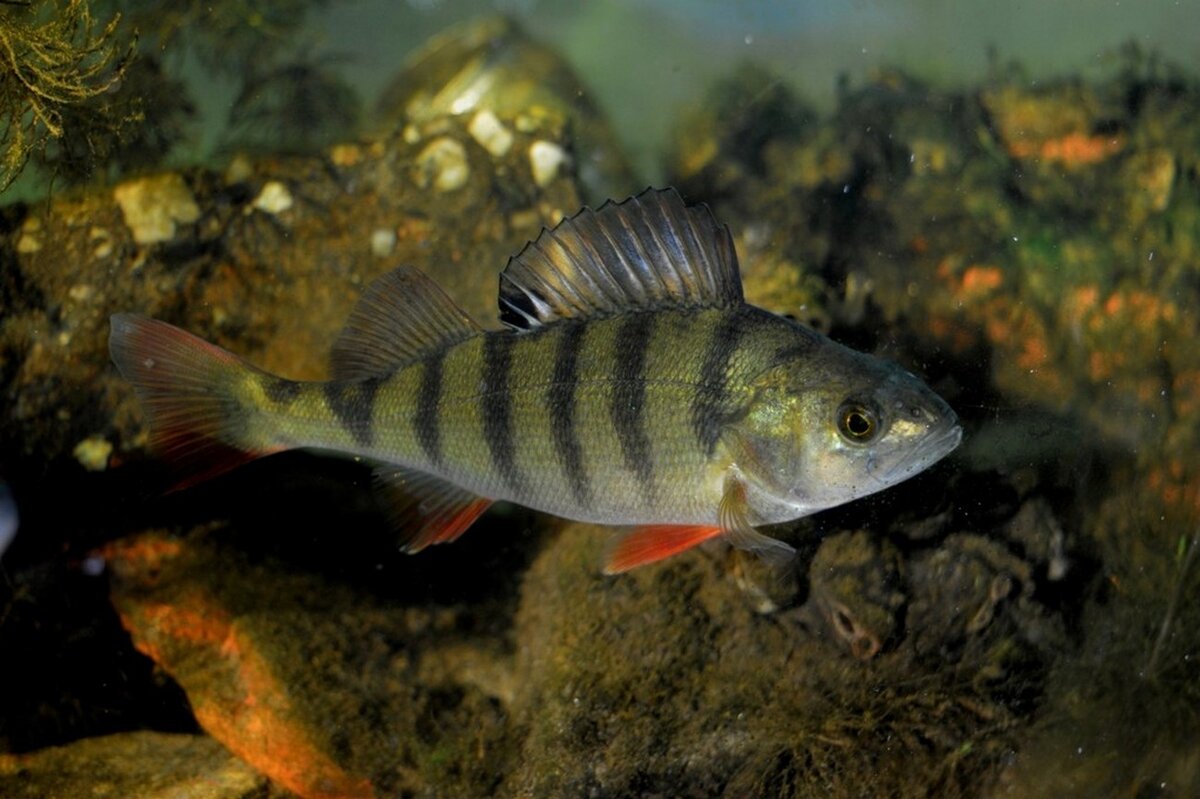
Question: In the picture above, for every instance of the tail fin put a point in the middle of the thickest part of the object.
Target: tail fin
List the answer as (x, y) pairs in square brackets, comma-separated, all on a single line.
[(187, 387)]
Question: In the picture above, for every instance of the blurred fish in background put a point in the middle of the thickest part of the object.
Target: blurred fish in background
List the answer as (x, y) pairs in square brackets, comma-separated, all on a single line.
[(8, 517)]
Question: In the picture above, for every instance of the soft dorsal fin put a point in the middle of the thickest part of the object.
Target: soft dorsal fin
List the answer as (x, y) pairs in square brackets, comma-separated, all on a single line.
[(650, 251), (400, 317)]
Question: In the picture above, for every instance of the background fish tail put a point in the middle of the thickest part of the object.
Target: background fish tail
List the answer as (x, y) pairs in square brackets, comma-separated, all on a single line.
[(201, 420)]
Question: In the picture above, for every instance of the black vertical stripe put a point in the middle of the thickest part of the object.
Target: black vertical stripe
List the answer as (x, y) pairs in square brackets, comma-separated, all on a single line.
[(278, 390), (427, 422), (560, 397), (629, 395), (353, 404), (710, 407), (496, 406)]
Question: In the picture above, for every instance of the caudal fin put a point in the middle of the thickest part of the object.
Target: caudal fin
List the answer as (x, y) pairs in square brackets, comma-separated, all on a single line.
[(188, 388)]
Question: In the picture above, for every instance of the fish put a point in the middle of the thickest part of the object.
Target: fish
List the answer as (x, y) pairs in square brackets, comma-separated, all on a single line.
[(9, 518), (630, 385)]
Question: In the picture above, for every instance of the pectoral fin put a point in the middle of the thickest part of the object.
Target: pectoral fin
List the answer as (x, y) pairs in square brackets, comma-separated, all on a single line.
[(733, 515)]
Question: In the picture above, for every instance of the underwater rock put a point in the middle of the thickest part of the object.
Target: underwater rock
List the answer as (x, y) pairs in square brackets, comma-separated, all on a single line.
[(145, 764), (154, 206), (266, 260), (500, 81), (319, 686), (959, 588), (667, 681), (856, 587)]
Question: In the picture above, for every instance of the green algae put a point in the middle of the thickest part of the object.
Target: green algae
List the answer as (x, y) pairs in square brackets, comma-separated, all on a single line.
[(59, 64)]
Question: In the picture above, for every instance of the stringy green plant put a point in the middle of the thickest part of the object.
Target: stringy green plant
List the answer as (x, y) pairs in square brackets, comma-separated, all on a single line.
[(56, 59)]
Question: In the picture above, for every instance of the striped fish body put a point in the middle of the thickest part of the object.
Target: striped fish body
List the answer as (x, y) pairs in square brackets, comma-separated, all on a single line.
[(633, 385), (614, 420)]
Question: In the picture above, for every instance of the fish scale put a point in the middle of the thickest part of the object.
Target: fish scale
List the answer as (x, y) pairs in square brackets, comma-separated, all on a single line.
[(632, 385)]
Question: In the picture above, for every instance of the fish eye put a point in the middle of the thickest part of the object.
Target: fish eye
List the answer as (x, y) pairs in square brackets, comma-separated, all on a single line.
[(857, 423)]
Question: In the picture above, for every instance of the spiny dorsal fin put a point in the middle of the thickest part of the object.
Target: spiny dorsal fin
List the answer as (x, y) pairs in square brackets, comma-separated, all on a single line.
[(650, 251), (425, 509), (400, 317)]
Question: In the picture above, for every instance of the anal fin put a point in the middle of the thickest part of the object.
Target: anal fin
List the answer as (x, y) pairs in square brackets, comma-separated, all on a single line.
[(425, 509)]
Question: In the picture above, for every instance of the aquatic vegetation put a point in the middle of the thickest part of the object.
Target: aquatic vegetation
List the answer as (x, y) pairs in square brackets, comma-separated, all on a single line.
[(154, 110), (59, 64), (1121, 713), (295, 107), (228, 36), (84, 98)]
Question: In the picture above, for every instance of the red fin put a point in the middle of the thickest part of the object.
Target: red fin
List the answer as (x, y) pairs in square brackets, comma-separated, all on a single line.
[(184, 385), (192, 459), (654, 542), (427, 510)]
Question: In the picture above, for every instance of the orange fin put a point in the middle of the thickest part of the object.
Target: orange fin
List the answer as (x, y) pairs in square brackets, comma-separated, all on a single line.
[(426, 509), (185, 386), (654, 542)]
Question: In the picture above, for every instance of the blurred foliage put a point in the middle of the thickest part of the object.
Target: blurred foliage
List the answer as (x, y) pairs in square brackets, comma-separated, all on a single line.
[(296, 107), (86, 100), (59, 63), (152, 111), (229, 37)]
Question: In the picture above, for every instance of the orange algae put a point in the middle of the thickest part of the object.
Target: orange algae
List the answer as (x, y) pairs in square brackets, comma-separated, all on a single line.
[(1034, 353), (240, 702), (1177, 488), (1185, 393), (1073, 149), (977, 280)]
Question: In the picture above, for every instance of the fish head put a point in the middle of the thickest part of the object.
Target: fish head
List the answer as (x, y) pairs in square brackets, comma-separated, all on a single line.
[(843, 427)]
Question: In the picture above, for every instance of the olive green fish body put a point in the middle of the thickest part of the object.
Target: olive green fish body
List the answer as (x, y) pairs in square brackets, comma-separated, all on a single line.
[(614, 420), (632, 385)]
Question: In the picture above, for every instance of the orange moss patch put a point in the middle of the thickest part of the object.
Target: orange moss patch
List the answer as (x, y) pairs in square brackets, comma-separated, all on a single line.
[(977, 280), (953, 333), (1080, 302), (144, 556), (412, 229), (234, 693), (1133, 308), (1101, 365), (1034, 353), (1071, 150), (1176, 485), (1185, 393), (973, 283), (1023, 347)]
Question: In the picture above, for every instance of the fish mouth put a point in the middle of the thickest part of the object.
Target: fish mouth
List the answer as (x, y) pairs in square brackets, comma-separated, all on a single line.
[(933, 446)]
